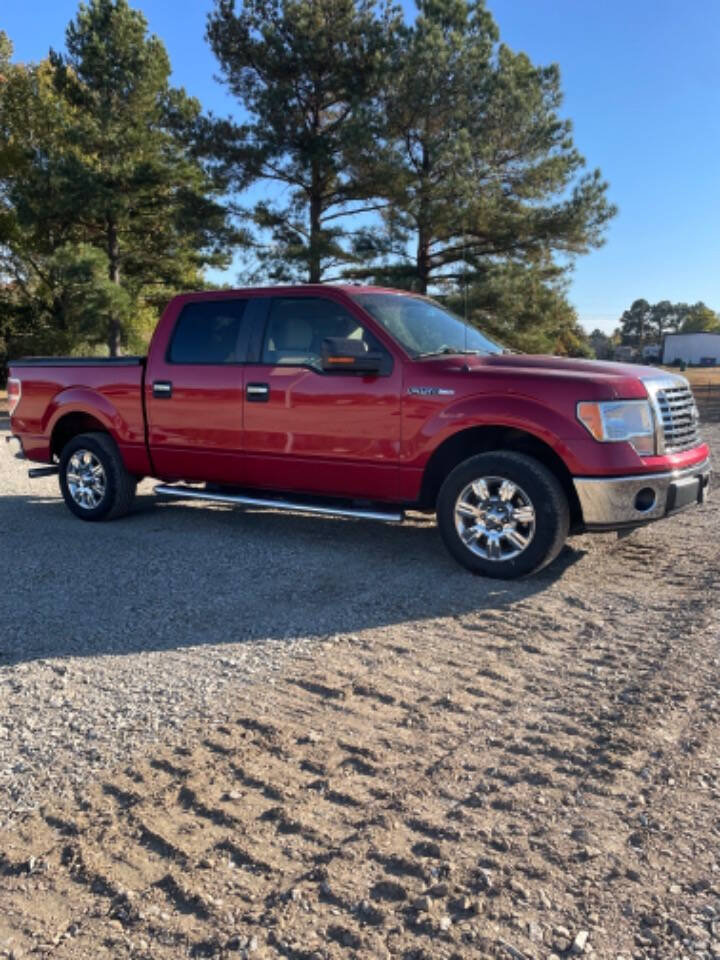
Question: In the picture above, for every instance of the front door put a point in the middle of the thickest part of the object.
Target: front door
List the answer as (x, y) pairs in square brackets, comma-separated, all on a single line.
[(194, 394), (309, 431)]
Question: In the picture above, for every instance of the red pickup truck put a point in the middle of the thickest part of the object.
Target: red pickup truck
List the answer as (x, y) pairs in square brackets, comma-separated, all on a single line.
[(365, 402)]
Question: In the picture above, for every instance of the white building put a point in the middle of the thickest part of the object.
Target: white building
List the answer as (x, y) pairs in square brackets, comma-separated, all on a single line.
[(692, 348)]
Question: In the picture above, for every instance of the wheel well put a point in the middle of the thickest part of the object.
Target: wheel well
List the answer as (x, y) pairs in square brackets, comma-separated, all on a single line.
[(480, 439), (70, 426)]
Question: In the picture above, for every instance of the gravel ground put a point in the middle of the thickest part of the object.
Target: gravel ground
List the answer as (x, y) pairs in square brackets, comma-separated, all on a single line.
[(227, 732), (117, 634), (125, 632)]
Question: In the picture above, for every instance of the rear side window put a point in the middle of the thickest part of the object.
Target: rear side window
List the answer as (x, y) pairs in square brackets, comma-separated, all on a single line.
[(208, 332)]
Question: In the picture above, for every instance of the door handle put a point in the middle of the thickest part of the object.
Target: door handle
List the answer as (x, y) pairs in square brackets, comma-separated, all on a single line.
[(258, 392), (162, 388)]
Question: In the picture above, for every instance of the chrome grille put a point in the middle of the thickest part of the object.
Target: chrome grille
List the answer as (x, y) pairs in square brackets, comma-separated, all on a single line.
[(679, 417)]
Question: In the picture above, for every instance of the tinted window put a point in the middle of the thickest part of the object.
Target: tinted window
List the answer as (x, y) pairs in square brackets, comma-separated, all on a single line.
[(297, 327), (207, 332)]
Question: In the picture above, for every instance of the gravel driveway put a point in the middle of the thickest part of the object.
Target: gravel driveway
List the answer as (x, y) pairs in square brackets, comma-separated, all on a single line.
[(124, 632), (509, 770)]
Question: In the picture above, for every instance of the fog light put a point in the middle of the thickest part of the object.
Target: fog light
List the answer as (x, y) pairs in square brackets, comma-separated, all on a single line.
[(645, 499)]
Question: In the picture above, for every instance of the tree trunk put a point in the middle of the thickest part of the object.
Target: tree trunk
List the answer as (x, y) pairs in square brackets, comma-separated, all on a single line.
[(314, 258), (422, 259), (114, 274)]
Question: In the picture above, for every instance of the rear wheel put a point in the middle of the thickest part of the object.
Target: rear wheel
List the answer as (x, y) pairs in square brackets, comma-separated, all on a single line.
[(93, 478), (503, 514)]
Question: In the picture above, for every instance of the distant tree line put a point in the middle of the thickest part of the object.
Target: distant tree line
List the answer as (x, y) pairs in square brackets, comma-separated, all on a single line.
[(426, 155), (645, 324), (648, 323)]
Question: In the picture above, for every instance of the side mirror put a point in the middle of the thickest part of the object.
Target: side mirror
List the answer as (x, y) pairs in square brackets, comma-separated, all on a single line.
[(350, 356)]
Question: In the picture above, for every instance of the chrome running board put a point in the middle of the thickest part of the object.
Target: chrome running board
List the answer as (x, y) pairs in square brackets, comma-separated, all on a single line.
[(189, 493)]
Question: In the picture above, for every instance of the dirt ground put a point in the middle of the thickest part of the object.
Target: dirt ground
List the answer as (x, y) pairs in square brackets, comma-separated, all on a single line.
[(536, 774), (699, 376)]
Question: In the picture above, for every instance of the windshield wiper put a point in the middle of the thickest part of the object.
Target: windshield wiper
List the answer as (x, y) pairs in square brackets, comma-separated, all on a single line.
[(445, 349)]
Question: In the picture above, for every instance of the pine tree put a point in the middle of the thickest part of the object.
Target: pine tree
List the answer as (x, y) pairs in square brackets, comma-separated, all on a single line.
[(666, 317), (308, 73), (525, 308), (635, 323), (36, 228), (478, 165), (130, 183)]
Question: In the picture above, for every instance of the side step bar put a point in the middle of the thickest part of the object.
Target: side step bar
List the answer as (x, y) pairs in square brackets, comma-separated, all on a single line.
[(43, 472), (188, 493)]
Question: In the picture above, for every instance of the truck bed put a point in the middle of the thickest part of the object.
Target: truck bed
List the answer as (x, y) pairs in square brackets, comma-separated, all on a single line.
[(61, 395)]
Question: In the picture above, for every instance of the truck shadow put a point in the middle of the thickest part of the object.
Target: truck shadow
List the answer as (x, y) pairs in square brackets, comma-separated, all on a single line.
[(173, 575)]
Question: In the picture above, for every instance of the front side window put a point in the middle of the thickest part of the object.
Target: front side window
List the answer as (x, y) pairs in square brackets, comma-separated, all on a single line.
[(297, 327), (424, 328), (207, 332)]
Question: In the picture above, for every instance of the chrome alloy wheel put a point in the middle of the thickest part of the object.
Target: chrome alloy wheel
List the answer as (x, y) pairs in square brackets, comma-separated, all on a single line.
[(86, 479), (495, 518)]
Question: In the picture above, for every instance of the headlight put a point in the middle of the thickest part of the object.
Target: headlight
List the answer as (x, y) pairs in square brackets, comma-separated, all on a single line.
[(617, 420)]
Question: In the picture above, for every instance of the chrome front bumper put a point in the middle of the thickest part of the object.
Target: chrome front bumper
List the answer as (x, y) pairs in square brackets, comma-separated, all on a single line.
[(610, 502)]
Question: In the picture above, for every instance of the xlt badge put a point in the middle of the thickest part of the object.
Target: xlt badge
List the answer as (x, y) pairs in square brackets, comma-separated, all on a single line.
[(431, 391)]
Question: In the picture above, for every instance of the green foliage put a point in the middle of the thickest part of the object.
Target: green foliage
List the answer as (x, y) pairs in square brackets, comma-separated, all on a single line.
[(68, 310), (635, 324), (308, 73), (477, 165), (525, 309), (31, 123), (6, 51), (666, 317), (647, 323), (700, 319), (103, 179), (602, 345)]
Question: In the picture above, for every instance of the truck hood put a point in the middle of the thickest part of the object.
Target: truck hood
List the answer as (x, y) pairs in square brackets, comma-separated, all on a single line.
[(599, 368), (610, 380)]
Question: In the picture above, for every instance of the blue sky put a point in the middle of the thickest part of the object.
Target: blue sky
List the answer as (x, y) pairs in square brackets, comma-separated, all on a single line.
[(641, 86)]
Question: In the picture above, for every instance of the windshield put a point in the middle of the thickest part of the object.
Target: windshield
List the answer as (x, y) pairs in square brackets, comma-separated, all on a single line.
[(423, 327)]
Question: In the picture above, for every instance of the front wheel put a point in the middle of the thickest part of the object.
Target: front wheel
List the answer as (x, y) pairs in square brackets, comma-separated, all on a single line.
[(93, 478), (503, 514)]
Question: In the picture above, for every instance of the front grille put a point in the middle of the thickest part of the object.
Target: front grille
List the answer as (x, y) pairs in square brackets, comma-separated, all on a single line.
[(679, 418)]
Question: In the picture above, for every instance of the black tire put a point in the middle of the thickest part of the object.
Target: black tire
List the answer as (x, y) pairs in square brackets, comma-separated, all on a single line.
[(119, 485), (539, 486)]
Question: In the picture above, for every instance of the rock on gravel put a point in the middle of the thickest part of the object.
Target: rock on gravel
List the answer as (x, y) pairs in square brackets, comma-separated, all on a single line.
[(580, 942)]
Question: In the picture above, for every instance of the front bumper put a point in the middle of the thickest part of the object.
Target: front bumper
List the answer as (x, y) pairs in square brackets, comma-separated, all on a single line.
[(609, 503)]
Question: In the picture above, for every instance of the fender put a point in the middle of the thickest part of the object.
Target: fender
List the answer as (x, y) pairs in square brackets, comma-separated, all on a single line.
[(518, 412), (129, 437), (89, 401), (581, 454)]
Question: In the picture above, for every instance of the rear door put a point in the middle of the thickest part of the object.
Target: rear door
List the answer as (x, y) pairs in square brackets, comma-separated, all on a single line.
[(194, 393), (310, 431)]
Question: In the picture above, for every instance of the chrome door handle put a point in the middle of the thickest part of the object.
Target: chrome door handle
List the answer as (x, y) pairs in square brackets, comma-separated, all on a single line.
[(162, 388), (258, 392)]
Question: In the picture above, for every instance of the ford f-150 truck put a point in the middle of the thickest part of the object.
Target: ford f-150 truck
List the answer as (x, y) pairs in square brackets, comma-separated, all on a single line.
[(365, 402)]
